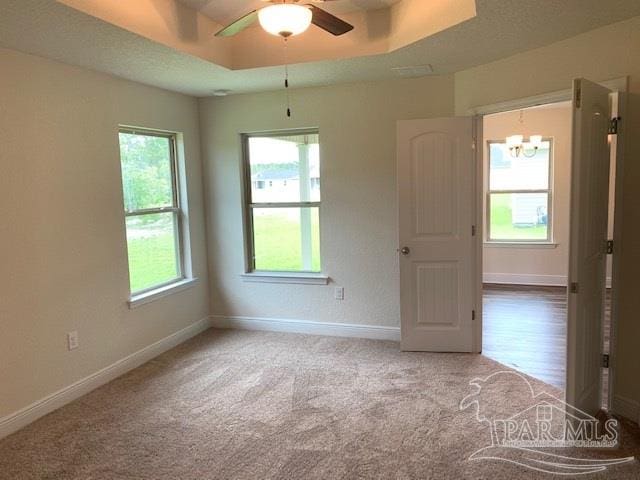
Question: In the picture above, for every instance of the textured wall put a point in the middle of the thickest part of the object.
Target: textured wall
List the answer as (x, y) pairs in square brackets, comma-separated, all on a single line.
[(62, 235), (359, 210)]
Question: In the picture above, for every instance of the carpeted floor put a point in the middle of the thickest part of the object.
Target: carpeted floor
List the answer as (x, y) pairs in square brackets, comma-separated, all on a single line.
[(257, 405)]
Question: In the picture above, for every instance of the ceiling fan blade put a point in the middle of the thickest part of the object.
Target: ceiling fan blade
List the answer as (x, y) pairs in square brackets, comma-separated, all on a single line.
[(329, 22), (238, 25)]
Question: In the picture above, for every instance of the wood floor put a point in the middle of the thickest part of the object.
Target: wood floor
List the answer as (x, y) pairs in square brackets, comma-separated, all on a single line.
[(525, 327)]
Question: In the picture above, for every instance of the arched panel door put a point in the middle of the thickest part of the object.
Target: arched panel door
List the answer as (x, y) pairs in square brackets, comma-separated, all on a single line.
[(436, 173)]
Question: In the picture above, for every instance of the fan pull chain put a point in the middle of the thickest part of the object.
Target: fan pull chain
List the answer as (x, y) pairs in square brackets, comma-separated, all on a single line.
[(286, 78)]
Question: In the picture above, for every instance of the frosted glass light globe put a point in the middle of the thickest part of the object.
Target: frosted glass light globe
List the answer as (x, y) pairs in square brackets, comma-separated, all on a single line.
[(285, 20)]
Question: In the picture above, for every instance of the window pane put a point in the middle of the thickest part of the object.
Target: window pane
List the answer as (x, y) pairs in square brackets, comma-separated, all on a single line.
[(287, 239), (153, 250), (518, 216), (285, 169), (146, 171), (520, 173)]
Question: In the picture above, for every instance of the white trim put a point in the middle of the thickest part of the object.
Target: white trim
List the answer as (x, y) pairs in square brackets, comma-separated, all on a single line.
[(619, 105), (626, 407), (147, 297), (286, 277), (478, 199), (619, 84), (21, 418), (307, 327), (533, 245), (529, 279), (525, 279)]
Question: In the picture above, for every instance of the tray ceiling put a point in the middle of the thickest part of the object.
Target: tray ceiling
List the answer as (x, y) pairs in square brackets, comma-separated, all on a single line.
[(56, 31)]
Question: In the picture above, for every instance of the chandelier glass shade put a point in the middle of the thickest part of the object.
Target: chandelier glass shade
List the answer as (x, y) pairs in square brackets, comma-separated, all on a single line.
[(517, 146), (285, 19)]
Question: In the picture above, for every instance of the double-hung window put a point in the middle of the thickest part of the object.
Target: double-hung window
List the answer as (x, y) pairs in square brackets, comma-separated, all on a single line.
[(282, 190), (152, 209), (519, 196)]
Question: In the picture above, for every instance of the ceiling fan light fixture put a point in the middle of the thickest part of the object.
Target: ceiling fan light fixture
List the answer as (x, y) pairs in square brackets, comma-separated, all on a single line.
[(285, 19)]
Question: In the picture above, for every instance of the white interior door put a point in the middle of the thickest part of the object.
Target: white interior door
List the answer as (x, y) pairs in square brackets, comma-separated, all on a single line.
[(436, 172), (588, 237)]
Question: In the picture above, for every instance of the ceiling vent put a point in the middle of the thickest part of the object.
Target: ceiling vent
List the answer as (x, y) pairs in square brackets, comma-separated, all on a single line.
[(414, 72)]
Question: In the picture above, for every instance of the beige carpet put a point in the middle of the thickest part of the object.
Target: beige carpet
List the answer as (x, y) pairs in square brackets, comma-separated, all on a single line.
[(257, 405)]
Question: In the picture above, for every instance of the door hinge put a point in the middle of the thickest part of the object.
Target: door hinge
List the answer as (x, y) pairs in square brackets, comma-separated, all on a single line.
[(574, 287), (605, 360), (474, 144), (613, 126), (473, 314), (609, 247), (473, 230), (578, 96)]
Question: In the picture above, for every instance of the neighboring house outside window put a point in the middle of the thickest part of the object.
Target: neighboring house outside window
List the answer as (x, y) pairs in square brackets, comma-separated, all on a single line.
[(519, 195), (154, 219), (283, 201)]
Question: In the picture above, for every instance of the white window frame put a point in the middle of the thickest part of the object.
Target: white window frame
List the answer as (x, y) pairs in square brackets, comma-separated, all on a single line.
[(270, 276), (183, 279), (489, 192)]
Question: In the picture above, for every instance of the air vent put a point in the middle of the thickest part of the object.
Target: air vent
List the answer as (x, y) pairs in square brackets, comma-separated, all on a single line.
[(413, 72)]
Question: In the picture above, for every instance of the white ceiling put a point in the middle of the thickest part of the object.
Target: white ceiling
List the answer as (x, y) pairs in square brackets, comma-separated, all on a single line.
[(226, 11), (501, 28)]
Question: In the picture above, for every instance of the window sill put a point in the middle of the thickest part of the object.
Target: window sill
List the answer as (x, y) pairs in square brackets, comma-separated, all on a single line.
[(285, 277), (147, 297), (521, 245)]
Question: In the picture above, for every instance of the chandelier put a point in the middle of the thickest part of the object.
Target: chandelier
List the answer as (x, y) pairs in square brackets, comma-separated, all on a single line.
[(518, 146)]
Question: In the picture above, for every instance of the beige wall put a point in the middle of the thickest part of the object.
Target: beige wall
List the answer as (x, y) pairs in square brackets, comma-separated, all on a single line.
[(540, 264), (601, 54), (62, 236), (359, 209)]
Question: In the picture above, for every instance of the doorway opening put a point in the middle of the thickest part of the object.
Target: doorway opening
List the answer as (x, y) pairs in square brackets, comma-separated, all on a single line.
[(526, 175), (527, 185)]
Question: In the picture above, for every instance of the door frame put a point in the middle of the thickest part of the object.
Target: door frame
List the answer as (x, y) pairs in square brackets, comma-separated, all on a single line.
[(617, 85)]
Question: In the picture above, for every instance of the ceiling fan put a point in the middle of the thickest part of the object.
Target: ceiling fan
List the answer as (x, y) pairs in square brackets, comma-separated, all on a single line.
[(286, 18)]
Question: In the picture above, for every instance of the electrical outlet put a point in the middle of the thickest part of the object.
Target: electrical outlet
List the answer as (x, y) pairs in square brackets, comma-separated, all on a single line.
[(72, 340), (339, 293)]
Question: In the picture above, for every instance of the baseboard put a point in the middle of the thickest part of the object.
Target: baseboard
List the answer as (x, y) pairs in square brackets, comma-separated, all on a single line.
[(308, 327), (525, 279), (529, 279), (17, 420), (626, 407)]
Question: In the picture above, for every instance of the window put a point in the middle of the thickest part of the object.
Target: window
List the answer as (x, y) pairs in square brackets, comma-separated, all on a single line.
[(283, 219), (152, 209), (519, 195)]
